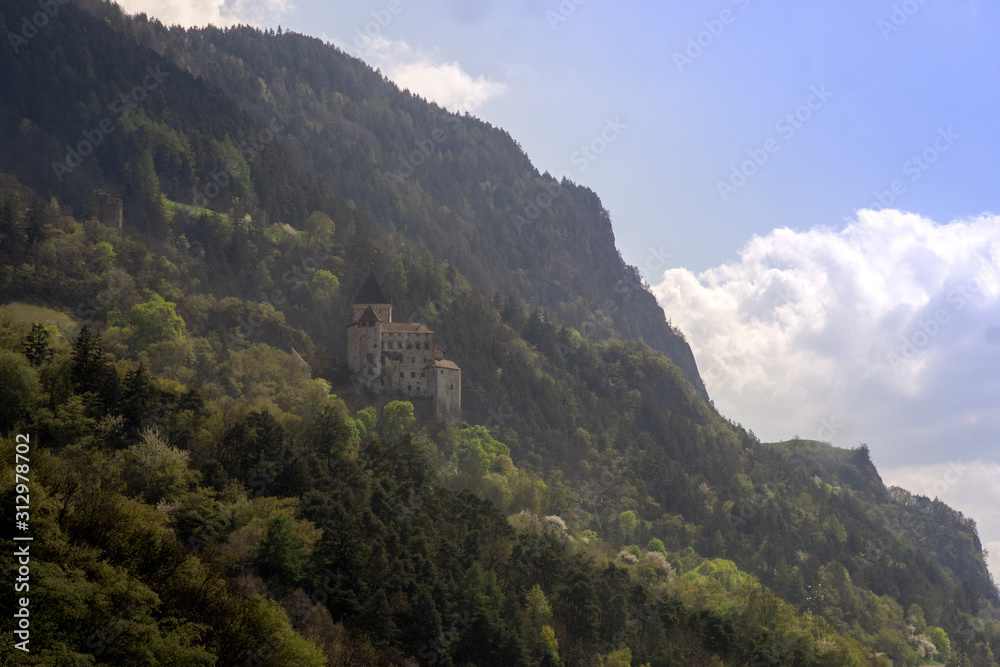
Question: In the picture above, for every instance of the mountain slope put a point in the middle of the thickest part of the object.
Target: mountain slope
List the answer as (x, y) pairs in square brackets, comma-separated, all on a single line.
[(454, 184), (605, 432)]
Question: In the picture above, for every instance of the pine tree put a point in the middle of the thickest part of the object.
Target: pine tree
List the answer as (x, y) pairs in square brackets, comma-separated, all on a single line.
[(138, 397), (36, 345), (280, 557), (92, 372)]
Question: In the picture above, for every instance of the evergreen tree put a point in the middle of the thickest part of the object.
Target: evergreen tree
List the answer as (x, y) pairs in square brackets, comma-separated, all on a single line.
[(280, 559), (36, 345), (92, 373)]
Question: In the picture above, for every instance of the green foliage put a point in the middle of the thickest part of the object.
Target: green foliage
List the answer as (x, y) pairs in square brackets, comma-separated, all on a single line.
[(941, 642), (320, 224), (551, 644), (324, 282), (621, 657), (628, 522), (36, 345), (481, 591), (395, 547), (537, 606), (834, 530), (154, 470), (397, 418), (92, 372), (480, 449), (149, 183), (155, 321), (366, 422), (656, 544), (19, 389), (280, 557)]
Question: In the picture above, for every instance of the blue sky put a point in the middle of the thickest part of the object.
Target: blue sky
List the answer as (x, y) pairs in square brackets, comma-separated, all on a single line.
[(736, 144)]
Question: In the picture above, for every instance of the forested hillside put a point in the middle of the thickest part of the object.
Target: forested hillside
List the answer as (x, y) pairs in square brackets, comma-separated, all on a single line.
[(210, 488), (476, 194)]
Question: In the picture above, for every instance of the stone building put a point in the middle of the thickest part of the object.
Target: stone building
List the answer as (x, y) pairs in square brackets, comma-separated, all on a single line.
[(399, 357), (109, 211)]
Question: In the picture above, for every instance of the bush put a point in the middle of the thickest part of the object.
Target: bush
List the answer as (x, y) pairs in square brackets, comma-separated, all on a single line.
[(154, 470), (18, 388)]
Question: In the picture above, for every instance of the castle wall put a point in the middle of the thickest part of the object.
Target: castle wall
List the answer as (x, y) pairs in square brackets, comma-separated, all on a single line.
[(447, 391), (364, 355), (415, 352)]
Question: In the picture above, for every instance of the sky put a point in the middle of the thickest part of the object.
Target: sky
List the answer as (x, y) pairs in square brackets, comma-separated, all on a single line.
[(811, 189)]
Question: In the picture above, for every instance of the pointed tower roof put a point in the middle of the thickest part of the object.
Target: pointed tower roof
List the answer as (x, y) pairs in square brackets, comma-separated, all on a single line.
[(367, 317), (371, 291)]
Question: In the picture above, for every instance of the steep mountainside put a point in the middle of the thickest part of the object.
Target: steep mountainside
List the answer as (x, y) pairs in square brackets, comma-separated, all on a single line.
[(200, 485), (467, 192)]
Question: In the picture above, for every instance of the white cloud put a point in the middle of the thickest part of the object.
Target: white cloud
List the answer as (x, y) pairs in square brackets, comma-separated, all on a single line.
[(887, 328), (188, 13), (885, 332), (443, 82)]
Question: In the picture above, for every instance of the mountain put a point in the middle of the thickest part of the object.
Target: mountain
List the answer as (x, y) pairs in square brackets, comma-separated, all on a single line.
[(211, 487), (476, 195)]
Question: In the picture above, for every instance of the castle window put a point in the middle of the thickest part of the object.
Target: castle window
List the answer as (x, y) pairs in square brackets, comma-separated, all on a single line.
[(451, 387), (409, 346), (427, 346), (423, 375), (413, 374)]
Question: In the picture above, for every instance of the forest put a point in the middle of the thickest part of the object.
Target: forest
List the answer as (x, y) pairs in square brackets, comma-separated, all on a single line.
[(208, 485)]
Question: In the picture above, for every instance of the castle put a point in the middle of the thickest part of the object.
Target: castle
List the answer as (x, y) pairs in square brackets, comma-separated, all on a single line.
[(387, 356)]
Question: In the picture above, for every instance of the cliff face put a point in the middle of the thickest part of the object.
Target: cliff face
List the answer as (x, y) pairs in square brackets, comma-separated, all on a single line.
[(455, 184)]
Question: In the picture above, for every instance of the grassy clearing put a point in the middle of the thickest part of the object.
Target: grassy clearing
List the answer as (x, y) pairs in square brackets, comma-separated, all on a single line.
[(25, 313), (194, 211), (820, 450)]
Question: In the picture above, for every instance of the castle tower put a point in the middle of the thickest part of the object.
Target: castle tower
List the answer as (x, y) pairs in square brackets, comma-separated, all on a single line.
[(446, 389), (370, 311), (109, 211), (371, 294), (364, 346)]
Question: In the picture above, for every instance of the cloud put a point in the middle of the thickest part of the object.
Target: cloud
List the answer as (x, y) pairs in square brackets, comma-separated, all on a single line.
[(190, 13), (885, 332), (443, 82), (887, 328)]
